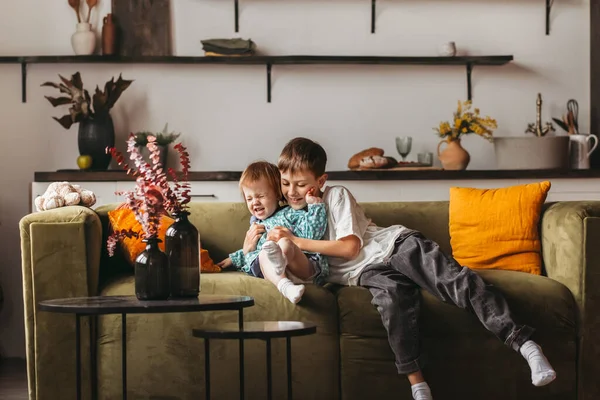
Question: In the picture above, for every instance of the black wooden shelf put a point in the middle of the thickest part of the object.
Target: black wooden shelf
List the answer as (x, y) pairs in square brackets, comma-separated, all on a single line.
[(236, 6), (74, 175), (468, 61)]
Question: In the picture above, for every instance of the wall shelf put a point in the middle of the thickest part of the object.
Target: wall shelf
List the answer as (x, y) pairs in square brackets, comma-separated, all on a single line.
[(236, 6), (467, 61)]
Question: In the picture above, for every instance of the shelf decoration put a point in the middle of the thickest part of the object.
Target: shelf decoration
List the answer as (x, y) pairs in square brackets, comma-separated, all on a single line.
[(145, 27)]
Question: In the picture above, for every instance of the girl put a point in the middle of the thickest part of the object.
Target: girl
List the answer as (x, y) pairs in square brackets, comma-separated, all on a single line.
[(260, 184)]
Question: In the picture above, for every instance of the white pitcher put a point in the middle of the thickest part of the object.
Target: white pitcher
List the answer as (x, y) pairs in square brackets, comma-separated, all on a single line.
[(580, 150)]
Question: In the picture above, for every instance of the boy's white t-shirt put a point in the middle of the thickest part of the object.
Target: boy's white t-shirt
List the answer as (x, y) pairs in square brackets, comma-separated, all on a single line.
[(344, 218)]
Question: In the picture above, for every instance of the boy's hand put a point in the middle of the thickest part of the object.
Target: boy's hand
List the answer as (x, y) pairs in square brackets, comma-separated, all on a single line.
[(226, 263), (279, 232), (311, 198), (252, 236)]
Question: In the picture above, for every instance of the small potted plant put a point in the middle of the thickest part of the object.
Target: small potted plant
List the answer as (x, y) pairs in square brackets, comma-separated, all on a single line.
[(465, 121), (162, 140), (96, 129)]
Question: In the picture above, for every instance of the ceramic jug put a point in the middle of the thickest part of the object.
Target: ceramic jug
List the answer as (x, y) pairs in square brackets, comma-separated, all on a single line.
[(580, 148), (454, 156)]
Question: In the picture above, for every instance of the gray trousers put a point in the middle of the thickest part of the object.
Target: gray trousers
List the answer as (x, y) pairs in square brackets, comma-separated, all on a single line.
[(416, 263)]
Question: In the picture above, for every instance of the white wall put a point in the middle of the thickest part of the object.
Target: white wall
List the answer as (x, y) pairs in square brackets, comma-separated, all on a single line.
[(346, 108)]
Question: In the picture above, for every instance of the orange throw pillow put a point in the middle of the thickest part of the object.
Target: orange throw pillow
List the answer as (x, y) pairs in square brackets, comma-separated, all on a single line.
[(498, 228), (124, 218)]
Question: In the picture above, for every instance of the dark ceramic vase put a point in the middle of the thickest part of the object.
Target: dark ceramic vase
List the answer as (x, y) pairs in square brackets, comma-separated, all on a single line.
[(152, 272), (94, 136), (183, 251)]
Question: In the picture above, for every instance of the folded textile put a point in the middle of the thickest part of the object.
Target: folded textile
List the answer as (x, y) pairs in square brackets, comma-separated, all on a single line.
[(213, 54), (229, 46)]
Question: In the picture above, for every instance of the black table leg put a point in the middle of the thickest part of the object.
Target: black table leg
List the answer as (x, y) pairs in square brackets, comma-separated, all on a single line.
[(124, 354), (207, 368), (241, 325), (269, 378), (93, 364), (289, 365), (78, 354)]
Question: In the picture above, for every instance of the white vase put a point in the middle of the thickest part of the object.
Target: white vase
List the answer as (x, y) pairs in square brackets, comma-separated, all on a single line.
[(83, 40)]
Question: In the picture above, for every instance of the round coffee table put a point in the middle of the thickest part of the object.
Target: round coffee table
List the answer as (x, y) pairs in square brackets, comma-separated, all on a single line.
[(102, 305), (264, 330)]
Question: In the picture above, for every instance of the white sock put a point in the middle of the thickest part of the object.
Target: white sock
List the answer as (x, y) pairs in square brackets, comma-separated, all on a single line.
[(292, 292), (275, 258), (541, 370), (421, 391)]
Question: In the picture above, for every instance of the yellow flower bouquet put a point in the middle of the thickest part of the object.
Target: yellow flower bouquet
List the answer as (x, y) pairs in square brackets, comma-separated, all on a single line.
[(465, 122)]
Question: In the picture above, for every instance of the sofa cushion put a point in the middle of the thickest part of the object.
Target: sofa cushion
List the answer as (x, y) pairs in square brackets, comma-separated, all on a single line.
[(498, 228), (163, 355)]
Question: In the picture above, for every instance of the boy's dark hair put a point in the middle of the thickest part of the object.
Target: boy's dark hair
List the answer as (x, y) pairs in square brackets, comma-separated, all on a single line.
[(262, 170), (302, 154)]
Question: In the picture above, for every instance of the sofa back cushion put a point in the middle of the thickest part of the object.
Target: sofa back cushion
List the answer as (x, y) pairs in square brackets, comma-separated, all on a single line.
[(222, 226), (428, 217)]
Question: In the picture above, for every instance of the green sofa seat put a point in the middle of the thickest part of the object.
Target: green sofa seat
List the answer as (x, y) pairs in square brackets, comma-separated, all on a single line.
[(448, 333), (63, 255)]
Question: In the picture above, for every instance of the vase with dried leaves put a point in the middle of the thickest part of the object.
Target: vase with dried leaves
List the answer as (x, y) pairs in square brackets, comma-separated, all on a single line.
[(96, 130), (83, 40)]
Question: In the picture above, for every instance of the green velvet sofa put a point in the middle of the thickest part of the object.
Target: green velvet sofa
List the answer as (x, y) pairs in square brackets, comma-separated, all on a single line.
[(63, 255)]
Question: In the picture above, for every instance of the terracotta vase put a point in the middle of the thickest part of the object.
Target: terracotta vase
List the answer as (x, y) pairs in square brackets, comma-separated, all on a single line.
[(454, 156), (109, 36)]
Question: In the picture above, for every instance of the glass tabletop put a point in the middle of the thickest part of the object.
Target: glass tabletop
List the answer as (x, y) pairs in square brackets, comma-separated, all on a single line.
[(131, 305), (255, 330)]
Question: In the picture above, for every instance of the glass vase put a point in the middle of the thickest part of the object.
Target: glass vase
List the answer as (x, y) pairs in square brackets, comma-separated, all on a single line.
[(152, 272), (182, 246)]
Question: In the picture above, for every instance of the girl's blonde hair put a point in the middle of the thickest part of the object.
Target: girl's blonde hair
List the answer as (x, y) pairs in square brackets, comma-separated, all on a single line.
[(262, 170)]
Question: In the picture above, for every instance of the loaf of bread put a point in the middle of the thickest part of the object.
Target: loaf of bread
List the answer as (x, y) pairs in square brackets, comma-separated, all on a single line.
[(378, 162), (354, 161)]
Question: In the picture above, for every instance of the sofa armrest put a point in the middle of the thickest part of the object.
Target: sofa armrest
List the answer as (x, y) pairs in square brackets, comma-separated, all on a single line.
[(571, 252), (60, 257)]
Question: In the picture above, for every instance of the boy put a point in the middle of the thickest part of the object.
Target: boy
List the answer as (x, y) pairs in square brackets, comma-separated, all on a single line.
[(394, 263)]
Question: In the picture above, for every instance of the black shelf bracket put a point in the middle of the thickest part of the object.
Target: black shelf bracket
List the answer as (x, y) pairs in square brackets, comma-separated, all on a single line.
[(269, 67), (469, 87), (549, 4), (236, 6), (373, 14), (23, 82)]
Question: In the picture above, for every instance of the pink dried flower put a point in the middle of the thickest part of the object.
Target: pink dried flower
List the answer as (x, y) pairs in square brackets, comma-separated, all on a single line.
[(152, 195), (113, 239), (181, 191), (147, 199)]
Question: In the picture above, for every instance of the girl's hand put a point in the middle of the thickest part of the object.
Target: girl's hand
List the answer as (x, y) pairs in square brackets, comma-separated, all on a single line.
[(226, 263), (311, 198), (252, 236), (279, 232)]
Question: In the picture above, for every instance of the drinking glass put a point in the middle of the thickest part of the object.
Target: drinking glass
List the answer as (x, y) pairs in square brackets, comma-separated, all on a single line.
[(425, 158), (403, 145)]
